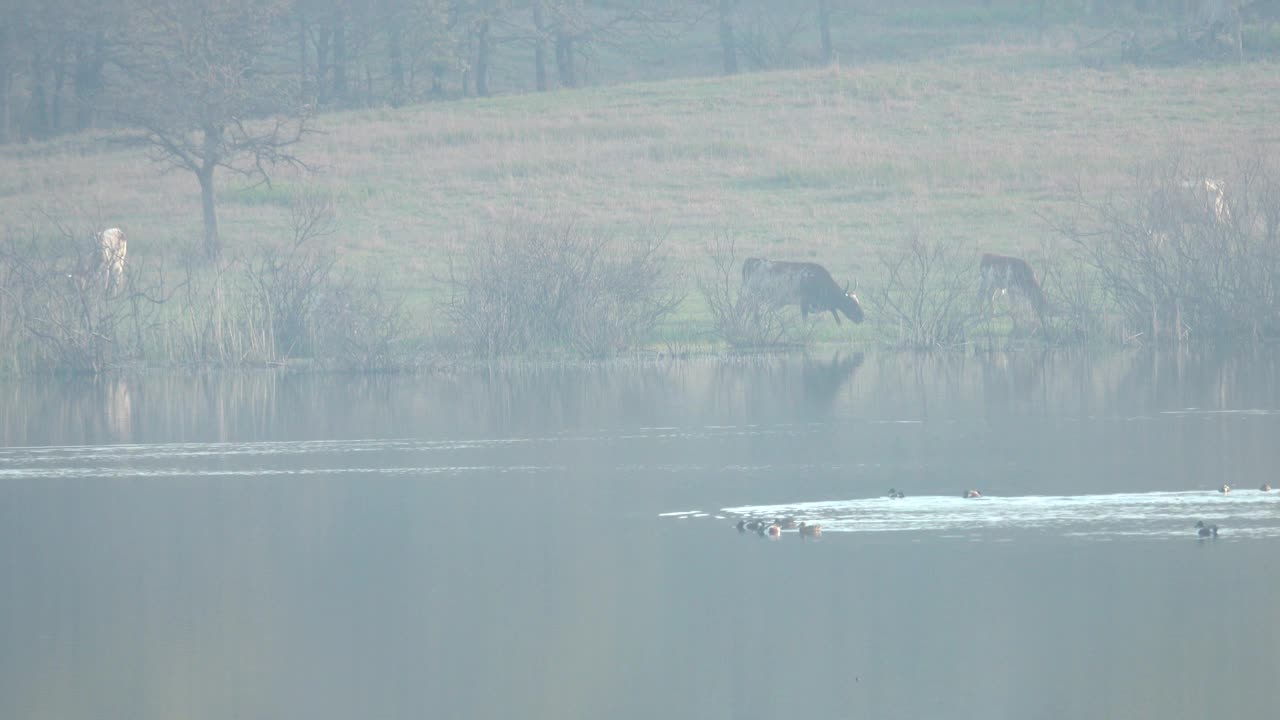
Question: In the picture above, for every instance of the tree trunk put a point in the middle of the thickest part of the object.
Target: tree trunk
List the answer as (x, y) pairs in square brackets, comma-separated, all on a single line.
[(339, 60), (539, 46), (322, 65), (303, 69), (90, 57), (37, 102), (437, 80), (208, 203), (59, 82), (6, 80), (824, 30), (395, 52), (728, 45), (564, 59), (482, 58)]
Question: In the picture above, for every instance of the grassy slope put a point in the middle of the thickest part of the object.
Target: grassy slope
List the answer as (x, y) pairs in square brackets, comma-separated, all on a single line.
[(827, 164)]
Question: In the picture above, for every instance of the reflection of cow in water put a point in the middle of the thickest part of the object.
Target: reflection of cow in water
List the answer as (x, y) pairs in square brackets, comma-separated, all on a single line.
[(1002, 274), (822, 381), (778, 283)]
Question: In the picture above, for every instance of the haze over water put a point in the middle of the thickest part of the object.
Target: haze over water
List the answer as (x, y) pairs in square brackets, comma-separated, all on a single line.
[(559, 542)]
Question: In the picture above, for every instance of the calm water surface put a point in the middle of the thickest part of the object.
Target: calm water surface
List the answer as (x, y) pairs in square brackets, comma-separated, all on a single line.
[(559, 542)]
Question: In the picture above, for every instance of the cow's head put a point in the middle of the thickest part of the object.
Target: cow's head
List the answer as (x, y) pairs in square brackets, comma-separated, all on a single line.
[(851, 307)]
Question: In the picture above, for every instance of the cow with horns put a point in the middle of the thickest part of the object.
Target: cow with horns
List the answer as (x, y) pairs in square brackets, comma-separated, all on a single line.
[(778, 283)]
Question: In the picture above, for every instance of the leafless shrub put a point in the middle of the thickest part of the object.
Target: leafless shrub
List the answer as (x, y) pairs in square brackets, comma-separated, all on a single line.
[(743, 320), (925, 299), (1174, 265), (541, 285), (64, 309), (767, 39), (1075, 299), (285, 285), (10, 303), (365, 330)]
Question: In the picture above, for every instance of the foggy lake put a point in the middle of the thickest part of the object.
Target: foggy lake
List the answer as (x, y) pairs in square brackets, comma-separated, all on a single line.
[(559, 541)]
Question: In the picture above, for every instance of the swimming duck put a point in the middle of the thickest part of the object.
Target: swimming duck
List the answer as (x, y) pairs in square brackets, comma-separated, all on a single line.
[(972, 494), (755, 525), (895, 493), (1266, 487), (774, 531), (742, 526), (1225, 488), (786, 523), (807, 530), (1206, 530)]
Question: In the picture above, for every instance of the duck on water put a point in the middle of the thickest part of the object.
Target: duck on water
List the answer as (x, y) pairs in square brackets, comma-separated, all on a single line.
[(1205, 531)]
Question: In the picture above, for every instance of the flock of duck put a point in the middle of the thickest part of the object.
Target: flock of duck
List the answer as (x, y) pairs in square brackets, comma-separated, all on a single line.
[(1206, 530), (772, 528)]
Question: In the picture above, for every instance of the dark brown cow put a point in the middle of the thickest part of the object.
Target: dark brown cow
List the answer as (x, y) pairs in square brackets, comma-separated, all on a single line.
[(778, 283)]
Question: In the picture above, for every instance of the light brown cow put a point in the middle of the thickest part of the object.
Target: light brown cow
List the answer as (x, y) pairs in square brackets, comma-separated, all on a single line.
[(112, 247), (1002, 274)]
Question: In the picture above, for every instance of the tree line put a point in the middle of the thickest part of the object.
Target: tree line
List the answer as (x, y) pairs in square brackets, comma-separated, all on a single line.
[(233, 85), (72, 65)]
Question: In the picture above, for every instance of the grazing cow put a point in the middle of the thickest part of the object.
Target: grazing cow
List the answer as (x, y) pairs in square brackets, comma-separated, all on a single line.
[(112, 248), (1003, 273), (809, 285)]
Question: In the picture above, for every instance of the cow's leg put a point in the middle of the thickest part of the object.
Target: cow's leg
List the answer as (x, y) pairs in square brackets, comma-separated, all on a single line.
[(984, 289)]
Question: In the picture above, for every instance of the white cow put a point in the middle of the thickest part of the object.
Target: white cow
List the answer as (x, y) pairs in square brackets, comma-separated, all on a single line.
[(1208, 193), (112, 246)]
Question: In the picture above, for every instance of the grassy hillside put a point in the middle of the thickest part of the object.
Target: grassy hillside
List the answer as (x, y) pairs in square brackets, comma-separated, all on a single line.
[(831, 164)]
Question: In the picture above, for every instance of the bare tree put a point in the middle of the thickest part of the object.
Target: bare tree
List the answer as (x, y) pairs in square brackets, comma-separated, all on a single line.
[(540, 44), (578, 28), (824, 31), (7, 72), (728, 43), (206, 98)]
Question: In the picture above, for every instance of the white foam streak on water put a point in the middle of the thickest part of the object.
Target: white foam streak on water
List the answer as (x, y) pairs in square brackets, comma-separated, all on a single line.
[(1242, 513), (1211, 413), (128, 472), (195, 450), (55, 454)]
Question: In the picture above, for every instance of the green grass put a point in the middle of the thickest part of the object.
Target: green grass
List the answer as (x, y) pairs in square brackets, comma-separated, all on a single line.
[(835, 165)]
